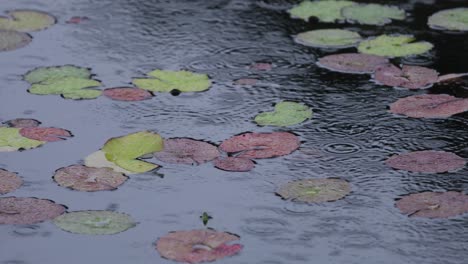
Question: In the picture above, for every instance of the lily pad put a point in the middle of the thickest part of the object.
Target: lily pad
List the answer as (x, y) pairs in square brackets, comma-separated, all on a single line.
[(187, 151), (394, 46), (261, 66), (24, 211), (197, 246), (11, 40), (23, 122), (434, 204), (47, 74), (352, 62), (26, 20), (451, 19), (49, 134), (328, 38), (261, 145), (77, 19), (430, 106), (427, 161), (94, 222), (246, 81), (411, 77), (372, 14), (127, 94), (82, 178), (451, 76), (285, 114), (166, 81), (234, 164), (324, 11), (315, 190), (98, 160), (11, 138), (9, 181)]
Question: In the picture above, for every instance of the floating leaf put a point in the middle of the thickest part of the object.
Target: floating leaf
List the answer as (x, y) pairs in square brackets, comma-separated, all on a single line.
[(197, 246), (77, 19), (234, 164), (427, 161), (325, 11), (11, 138), (315, 190), (26, 20), (24, 211), (9, 182), (328, 38), (127, 94), (434, 204), (98, 160), (372, 14), (82, 178), (49, 134), (261, 66), (411, 77), (285, 114), (451, 19), (166, 81), (394, 46), (429, 106), (23, 122), (94, 222), (187, 151), (47, 74), (352, 62), (451, 76), (11, 40), (246, 81), (261, 145)]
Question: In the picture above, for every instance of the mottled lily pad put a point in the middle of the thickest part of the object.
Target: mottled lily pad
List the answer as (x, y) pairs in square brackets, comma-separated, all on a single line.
[(324, 11), (394, 46), (234, 164), (82, 178), (261, 145), (49, 134), (11, 40), (285, 114), (451, 19), (9, 181), (315, 190), (187, 151), (23, 122), (12, 140), (411, 77), (197, 246), (24, 211), (352, 62), (434, 204), (328, 38), (98, 160), (427, 161), (166, 81), (372, 14), (94, 222), (127, 94), (26, 20), (430, 106)]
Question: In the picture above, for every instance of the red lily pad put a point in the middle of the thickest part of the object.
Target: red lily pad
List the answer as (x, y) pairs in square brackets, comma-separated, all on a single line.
[(127, 94), (234, 164), (261, 66), (411, 77), (261, 145), (197, 246), (187, 151), (246, 81), (77, 19), (428, 161), (451, 76), (49, 134), (25, 211), (82, 178), (23, 122), (352, 62), (9, 181), (430, 106), (434, 204)]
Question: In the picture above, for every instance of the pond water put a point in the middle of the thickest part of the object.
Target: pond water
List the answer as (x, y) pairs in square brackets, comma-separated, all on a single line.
[(350, 135)]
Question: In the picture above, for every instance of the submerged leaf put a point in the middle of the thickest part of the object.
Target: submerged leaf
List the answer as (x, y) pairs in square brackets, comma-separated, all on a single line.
[(234, 164), (10, 137), (411, 77), (187, 151), (434, 204), (451, 19), (352, 62), (127, 94), (166, 81), (325, 11), (49, 134), (430, 106), (285, 114), (372, 14), (261, 66), (427, 161), (11, 40), (77, 19), (394, 46), (9, 182), (328, 38), (23, 122), (315, 190), (24, 211), (246, 81), (26, 20)]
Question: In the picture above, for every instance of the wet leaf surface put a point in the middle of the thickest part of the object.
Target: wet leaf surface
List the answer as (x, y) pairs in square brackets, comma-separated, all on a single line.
[(324, 11), (12, 140), (26, 20), (23, 211), (394, 46), (328, 38), (427, 161), (11, 40), (234, 164), (23, 122), (434, 204), (285, 114), (166, 81), (430, 106), (352, 62), (187, 151), (98, 160), (372, 14), (315, 190), (49, 134), (411, 77), (452, 19), (451, 76), (127, 94), (9, 182)]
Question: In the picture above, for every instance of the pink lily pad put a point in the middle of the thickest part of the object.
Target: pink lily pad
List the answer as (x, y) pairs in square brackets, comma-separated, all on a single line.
[(23, 122), (9, 181), (187, 151), (352, 62), (246, 81), (451, 76), (234, 164), (261, 145), (197, 246), (49, 134), (82, 178), (411, 77), (77, 19), (428, 161), (24, 211), (434, 204), (429, 106), (127, 94), (261, 66)]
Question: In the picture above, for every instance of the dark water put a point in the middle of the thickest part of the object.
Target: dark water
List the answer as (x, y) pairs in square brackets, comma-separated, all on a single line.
[(350, 135)]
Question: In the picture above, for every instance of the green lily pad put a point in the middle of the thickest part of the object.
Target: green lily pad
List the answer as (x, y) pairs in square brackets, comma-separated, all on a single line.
[(325, 11), (166, 81), (48, 74), (394, 46), (94, 222), (11, 40), (98, 160), (12, 140), (26, 21), (451, 19), (285, 114), (315, 190), (328, 38), (373, 14)]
